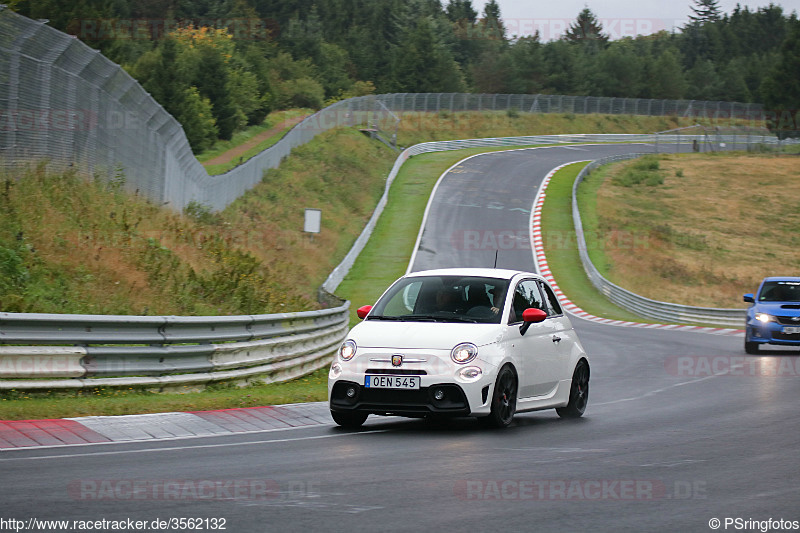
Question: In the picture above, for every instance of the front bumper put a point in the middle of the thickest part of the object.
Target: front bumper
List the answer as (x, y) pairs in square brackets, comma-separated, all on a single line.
[(771, 333), (414, 403)]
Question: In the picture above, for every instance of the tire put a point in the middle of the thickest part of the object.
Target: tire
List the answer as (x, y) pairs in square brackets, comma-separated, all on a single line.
[(349, 420), (504, 399), (751, 347), (578, 393)]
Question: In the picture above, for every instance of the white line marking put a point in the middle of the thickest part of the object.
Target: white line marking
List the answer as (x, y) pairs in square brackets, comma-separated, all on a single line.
[(178, 448), (673, 386)]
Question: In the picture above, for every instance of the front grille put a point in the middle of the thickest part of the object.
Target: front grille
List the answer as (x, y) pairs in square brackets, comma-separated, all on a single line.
[(787, 321), (786, 336)]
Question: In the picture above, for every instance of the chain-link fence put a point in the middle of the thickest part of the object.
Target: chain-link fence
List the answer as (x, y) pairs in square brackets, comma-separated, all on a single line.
[(64, 102), (717, 138)]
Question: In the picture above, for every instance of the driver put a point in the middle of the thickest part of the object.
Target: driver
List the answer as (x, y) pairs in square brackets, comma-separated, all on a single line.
[(446, 300)]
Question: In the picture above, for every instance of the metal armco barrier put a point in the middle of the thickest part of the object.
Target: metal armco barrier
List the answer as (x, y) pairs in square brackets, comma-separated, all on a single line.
[(665, 311), (163, 352)]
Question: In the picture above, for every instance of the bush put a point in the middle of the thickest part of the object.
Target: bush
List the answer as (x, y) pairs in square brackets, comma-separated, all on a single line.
[(303, 92), (12, 270), (644, 171)]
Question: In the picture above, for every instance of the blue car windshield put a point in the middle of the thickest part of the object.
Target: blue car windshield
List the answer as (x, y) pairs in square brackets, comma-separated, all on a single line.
[(780, 291), (467, 299)]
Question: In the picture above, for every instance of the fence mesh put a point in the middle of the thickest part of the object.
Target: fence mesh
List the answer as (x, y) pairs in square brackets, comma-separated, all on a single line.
[(64, 102)]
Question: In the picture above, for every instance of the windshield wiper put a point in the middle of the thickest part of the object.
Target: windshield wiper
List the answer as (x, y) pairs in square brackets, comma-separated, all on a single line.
[(436, 318), (461, 319)]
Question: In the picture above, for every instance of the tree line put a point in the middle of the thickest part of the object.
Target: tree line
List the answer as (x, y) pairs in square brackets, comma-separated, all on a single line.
[(220, 65)]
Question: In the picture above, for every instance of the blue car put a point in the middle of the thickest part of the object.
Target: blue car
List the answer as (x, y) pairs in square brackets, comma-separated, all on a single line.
[(774, 317)]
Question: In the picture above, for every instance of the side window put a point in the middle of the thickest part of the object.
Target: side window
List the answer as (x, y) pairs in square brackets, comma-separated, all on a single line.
[(554, 308), (403, 302), (526, 295)]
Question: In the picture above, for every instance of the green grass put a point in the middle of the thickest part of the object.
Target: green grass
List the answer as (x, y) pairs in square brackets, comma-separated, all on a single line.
[(587, 192), (564, 261), (241, 137), (31, 406)]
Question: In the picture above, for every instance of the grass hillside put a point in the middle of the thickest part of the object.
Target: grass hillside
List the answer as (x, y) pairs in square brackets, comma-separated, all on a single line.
[(696, 229), (69, 244)]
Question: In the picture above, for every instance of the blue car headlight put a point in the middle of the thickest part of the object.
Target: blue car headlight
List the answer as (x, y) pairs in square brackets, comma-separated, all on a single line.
[(764, 318)]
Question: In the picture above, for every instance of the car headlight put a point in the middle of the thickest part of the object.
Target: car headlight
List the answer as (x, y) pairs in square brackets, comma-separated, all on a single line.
[(464, 353), (764, 318), (347, 350)]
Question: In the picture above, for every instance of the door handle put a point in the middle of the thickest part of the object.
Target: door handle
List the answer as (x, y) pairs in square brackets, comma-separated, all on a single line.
[(556, 338)]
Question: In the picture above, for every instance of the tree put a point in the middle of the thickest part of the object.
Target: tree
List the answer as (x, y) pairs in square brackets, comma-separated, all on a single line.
[(527, 70), (461, 10), (733, 83), (212, 82), (303, 37), (704, 83), (424, 64), (560, 60), (617, 72), (492, 26), (705, 11), (195, 115), (586, 28), (781, 89), (666, 77)]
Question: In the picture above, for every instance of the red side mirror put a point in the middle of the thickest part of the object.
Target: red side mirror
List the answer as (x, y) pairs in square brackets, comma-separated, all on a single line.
[(362, 312), (533, 315)]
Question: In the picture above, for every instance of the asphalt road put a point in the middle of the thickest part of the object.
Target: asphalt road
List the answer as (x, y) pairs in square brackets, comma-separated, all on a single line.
[(681, 428)]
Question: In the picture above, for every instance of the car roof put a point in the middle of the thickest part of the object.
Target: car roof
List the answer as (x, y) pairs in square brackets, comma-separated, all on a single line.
[(498, 273), (783, 278)]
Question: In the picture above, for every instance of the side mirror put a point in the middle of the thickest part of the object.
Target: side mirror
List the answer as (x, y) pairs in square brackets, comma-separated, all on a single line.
[(531, 316), (749, 298), (362, 312)]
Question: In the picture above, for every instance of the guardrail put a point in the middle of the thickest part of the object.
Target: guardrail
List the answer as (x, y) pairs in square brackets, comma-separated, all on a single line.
[(665, 311), (164, 352)]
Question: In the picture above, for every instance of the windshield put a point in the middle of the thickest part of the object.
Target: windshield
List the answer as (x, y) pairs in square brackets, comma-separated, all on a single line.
[(780, 291), (443, 299)]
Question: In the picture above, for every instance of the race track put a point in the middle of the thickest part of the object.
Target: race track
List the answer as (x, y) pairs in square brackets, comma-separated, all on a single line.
[(681, 428)]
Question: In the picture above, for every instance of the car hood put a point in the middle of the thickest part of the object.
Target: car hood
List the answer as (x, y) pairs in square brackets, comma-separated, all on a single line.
[(779, 308), (422, 335)]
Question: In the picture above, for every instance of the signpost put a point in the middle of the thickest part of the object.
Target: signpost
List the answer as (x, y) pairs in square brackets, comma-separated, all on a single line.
[(313, 220)]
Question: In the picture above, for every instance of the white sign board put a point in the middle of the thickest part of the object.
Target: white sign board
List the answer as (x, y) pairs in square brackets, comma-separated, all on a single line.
[(313, 221)]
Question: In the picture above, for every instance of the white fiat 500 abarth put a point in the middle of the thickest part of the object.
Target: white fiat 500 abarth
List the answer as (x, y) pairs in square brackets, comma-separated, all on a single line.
[(486, 343)]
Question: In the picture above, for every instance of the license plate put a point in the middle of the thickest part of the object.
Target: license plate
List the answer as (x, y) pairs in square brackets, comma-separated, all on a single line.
[(391, 382), (789, 330)]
